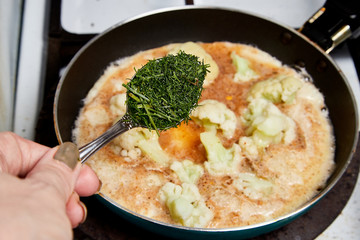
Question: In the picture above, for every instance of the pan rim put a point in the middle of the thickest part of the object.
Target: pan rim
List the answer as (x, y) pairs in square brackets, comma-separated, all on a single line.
[(193, 7)]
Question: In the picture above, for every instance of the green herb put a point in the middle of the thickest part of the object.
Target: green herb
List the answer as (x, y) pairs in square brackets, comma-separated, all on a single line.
[(164, 91)]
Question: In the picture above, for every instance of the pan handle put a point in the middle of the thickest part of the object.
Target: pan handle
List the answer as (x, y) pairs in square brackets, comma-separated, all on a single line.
[(332, 24)]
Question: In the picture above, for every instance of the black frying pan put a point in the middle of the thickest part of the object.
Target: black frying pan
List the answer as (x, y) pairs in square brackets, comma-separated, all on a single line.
[(208, 24)]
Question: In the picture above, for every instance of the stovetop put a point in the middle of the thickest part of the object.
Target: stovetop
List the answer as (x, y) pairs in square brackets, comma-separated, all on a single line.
[(63, 40)]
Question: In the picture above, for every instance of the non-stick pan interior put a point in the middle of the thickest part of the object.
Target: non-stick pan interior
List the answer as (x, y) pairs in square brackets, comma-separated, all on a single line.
[(209, 25)]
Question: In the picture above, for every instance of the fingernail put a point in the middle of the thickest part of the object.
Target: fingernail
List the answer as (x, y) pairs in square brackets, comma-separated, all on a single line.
[(68, 153), (84, 210), (100, 185)]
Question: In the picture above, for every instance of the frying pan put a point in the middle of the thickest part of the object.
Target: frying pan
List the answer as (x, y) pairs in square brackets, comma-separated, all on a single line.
[(209, 24)]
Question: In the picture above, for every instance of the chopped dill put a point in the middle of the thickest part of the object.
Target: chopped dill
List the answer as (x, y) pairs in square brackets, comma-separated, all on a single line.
[(164, 91)]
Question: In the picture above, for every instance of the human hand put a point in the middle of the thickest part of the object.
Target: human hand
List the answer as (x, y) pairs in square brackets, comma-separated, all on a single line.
[(39, 196)]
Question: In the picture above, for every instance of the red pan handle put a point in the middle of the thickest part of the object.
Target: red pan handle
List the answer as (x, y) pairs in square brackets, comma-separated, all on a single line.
[(332, 24)]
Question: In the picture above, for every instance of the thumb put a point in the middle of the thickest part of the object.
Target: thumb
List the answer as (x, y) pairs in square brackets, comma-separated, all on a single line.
[(60, 174)]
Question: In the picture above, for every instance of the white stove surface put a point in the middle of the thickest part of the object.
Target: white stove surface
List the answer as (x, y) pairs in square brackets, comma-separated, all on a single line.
[(93, 16)]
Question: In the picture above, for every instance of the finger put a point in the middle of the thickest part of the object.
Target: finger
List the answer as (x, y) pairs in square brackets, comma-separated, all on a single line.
[(88, 183), (76, 210), (19, 155), (55, 174)]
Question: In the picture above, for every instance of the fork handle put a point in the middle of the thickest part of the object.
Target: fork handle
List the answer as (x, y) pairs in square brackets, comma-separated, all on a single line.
[(92, 147)]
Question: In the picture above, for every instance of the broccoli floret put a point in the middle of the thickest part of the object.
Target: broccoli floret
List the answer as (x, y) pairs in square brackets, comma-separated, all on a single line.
[(147, 141), (187, 171), (214, 115), (185, 204), (244, 72), (281, 88), (220, 161)]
